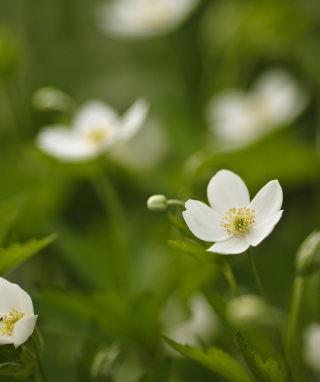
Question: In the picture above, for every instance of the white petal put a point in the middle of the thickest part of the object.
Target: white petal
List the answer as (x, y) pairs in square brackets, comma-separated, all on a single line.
[(5, 340), (231, 246), (260, 231), (227, 190), (23, 330), (92, 115), (267, 202), (65, 145), (204, 222), (132, 120), (12, 296)]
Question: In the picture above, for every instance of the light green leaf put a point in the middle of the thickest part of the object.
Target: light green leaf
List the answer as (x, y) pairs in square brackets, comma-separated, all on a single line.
[(214, 359), (195, 250), (17, 252), (264, 372), (180, 224)]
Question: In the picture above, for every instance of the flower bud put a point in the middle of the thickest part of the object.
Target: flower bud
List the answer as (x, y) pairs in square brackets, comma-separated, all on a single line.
[(248, 311), (49, 98), (157, 203), (308, 256)]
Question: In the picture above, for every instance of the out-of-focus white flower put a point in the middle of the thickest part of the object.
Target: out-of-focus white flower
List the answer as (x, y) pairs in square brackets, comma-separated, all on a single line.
[(311, 350), (95, 129), (17, 319), (198, 328), (143, 18), (237, 117), (233, 222)]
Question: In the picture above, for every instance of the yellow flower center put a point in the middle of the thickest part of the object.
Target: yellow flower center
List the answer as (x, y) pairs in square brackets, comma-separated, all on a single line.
[(238, 221), (10, 321), (97, 135)]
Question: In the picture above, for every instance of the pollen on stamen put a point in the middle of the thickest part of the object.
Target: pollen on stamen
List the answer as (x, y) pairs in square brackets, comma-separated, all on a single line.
[(238, 221), (97, 135), (9, 322)]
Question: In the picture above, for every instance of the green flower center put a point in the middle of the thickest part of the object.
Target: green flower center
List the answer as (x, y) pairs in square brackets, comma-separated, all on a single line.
[(10, 321), (238, 221)]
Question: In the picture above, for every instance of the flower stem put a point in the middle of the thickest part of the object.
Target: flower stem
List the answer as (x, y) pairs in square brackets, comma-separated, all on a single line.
[(176, 202), (44, 379), (228, 274), (272, 316), (114, 213)]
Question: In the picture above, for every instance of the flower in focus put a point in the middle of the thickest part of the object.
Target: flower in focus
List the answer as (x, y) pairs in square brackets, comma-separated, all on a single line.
[(17, 319), (95, 129), (238, 117), (233, 222), (143, 18), (312, 346)]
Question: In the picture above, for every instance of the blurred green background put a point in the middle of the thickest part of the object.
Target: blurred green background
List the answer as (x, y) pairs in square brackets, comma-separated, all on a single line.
[(102, 287)]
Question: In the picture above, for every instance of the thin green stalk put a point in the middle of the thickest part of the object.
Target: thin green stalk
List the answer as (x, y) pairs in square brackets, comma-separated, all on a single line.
[(228, 274), (176, 202), (275, 322), (44, 379), (115, 215)]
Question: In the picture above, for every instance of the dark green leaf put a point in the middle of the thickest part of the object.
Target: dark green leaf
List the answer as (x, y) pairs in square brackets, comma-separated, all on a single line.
[(264, 372), (161, 372), (17, 253), (214, 359)]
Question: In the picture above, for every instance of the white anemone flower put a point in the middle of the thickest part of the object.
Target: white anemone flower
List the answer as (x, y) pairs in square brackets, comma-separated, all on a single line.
[(95, 129), (17, 319), (238, 118), (143, 18), (232, 222)]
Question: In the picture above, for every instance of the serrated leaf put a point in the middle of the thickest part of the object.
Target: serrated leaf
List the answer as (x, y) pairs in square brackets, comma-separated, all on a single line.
[(214, 359), (161, 372), (19, 252), (195, 250), (264, 372), (20, 363)]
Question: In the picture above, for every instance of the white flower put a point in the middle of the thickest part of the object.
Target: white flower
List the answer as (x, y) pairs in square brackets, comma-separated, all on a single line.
[(143, 18), (17, 319), (311, 350), (233, 222), (239, 117), (95, 129)]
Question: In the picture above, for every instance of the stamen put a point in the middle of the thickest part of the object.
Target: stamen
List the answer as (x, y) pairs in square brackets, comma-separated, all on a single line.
[(10, 321), (97, 135), (238, 221)]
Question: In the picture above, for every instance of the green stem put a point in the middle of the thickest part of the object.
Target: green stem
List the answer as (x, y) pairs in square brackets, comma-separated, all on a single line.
[(228, 274), (115, 215), (292, 339), (176, 202), (44, 379), (275, 322)]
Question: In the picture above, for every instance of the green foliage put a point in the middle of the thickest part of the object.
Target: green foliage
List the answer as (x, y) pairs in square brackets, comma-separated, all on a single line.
[(214, 359), (160, 373), (18, 363), (270, 371), (196, 250), (19, 252)]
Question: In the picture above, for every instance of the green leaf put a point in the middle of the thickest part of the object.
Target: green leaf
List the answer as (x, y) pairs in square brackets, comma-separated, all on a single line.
[(161, 372), (214, 359), (19, 363), (264, 372), (180, 224), (195, 250), (17, 253)]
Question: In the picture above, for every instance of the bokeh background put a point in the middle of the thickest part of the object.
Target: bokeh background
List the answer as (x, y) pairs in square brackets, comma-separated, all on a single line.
[(110, 285)]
